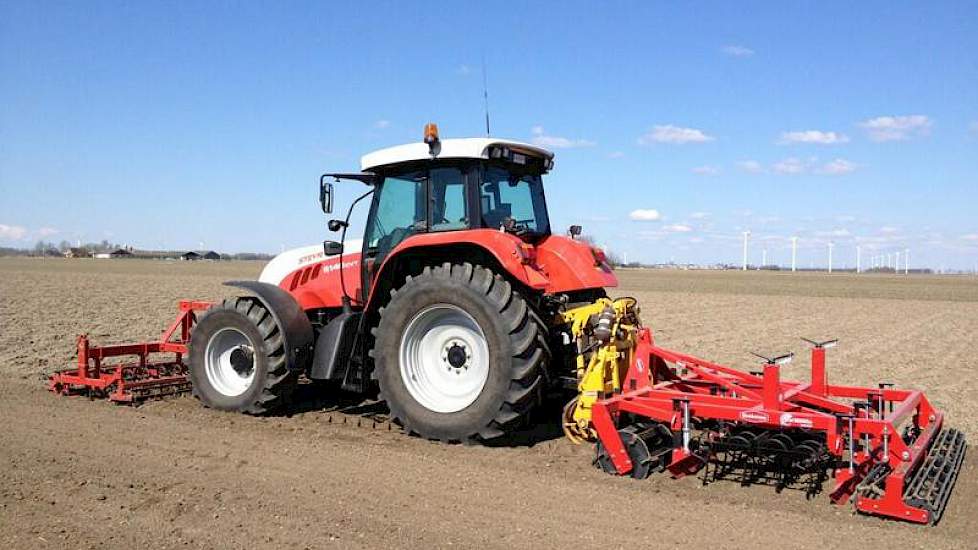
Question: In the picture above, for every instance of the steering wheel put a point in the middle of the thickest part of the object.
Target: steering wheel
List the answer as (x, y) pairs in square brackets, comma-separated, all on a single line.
[(515, 226)]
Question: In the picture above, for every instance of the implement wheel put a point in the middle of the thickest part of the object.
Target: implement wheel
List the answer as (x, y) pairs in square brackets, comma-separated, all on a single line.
[(458, 354), (237, 359)]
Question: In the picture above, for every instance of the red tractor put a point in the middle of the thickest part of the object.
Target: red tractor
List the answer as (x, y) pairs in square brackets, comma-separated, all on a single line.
[(445, 303)]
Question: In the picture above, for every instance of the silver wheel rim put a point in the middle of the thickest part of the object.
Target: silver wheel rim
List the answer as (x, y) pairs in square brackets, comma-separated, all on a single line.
[(229, 362), (444, 358)]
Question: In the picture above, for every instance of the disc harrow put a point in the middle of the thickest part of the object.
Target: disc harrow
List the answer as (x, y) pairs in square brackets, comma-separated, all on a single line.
[(886, 448)]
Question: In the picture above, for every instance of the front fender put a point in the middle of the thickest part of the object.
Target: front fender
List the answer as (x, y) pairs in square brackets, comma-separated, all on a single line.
[(290, 318)]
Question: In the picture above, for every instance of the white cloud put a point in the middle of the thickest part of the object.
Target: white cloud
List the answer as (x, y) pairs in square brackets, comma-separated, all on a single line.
[(737, 51), (463, 70), (751, 166), (669, 133), (888, 229), (812, 136), (699, 215), (645, 215), (838, 167), (47, 231), (790, 166), (543, 140), (793, 166), (969, 237), (696, 240), (677, 228), (381, 124), (896, 128), (616, 155), (12, 232), (706, 170)]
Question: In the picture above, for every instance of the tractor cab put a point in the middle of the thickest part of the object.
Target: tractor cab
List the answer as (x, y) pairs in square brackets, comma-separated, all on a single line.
[(441, 186)]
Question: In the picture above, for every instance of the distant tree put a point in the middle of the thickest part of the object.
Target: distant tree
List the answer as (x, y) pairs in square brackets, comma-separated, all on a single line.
[(63, 246)]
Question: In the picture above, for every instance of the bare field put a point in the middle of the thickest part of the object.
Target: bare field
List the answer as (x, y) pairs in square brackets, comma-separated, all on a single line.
[(170, 473)]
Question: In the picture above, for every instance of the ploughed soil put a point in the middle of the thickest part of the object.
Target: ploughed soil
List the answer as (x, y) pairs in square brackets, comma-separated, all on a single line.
[(79, 473)]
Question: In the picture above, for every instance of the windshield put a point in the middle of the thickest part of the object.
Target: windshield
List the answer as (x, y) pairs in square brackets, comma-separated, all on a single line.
[(513, 202)]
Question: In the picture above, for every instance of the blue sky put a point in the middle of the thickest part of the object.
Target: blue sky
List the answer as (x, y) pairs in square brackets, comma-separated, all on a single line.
[(676, 127)]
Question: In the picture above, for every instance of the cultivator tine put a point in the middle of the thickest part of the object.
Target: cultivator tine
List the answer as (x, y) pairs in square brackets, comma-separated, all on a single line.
[(769, 457), (930, 486)]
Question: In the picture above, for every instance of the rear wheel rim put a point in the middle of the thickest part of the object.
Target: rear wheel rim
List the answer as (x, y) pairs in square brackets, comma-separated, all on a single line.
[(229, 362), (444, 358)]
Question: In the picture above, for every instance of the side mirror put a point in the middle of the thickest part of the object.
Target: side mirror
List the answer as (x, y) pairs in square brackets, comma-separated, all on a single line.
[(325, 194), (336, 225), (574, 231), (332, 248)]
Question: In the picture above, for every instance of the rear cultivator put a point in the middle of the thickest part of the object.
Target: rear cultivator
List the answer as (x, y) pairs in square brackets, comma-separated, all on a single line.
[(656, 409)]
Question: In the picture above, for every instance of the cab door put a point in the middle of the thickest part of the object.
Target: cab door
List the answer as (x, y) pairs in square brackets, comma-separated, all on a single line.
[(418, 201)]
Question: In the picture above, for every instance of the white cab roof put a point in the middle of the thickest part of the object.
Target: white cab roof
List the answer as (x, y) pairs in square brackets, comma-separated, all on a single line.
[(476, 148)]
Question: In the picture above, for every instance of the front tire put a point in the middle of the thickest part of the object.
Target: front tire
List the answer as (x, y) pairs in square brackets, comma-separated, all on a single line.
[(237, 359), (458, 355)]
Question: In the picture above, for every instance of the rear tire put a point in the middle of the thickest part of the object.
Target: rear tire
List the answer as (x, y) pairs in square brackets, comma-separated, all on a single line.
[(237, 359), (459, 355)]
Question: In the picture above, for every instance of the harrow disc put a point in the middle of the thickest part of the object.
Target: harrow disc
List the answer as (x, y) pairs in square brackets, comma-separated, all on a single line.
[(638, 453)]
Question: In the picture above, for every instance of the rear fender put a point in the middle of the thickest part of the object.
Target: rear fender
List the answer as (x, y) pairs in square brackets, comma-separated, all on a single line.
[(499, 246), (290, 318)]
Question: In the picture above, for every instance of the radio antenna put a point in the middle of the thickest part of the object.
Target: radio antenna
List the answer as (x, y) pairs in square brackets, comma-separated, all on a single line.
[(485, 92)]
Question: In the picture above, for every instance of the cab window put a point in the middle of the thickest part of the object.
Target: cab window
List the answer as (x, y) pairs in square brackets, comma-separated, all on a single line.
[(449, 209), (399, 212)]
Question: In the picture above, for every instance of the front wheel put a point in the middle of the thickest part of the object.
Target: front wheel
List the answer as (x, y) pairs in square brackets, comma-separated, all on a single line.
[(458, 354), (237, 358)]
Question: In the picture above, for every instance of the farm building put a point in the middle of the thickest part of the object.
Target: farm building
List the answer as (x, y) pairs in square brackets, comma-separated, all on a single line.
[(200, 255)]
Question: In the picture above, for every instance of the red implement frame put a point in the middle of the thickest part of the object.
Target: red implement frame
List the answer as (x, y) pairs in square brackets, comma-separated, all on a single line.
[(699, 389), (129, 382)]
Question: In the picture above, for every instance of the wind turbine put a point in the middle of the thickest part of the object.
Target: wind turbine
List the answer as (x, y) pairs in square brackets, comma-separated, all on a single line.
[(831, 246), (906, 261), (763, 258), (794, 251), (746, 238), (896, 265)]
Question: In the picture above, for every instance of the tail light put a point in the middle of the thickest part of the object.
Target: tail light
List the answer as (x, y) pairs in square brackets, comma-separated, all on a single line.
[(527, 253)]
